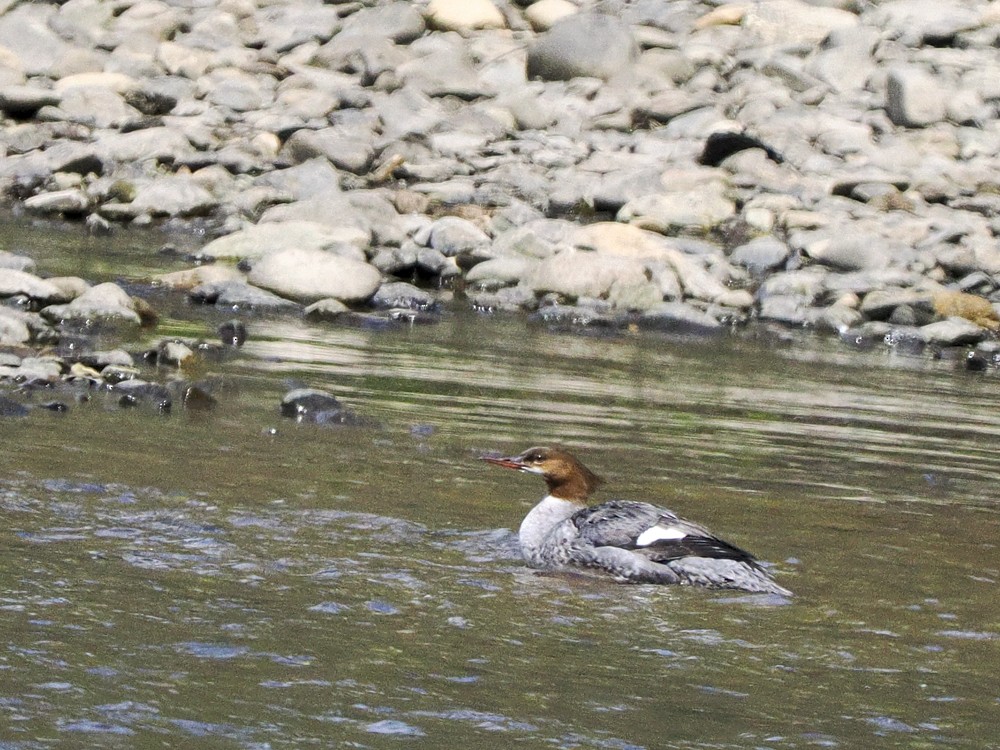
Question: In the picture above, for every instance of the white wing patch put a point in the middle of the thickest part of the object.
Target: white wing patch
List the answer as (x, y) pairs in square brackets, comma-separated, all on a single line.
[(658, 533)]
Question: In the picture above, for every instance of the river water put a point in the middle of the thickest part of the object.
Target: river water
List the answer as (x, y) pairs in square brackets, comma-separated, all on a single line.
[(232, 579)]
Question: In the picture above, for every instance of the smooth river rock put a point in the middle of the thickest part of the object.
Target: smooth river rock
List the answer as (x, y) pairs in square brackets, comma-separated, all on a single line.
[(309, 275)]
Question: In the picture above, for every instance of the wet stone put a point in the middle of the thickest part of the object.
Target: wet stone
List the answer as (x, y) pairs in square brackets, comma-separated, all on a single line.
[(136, 392), (317, 407), (679, 318), (198, 397), (399, 294), (232, 333), (11, 408)]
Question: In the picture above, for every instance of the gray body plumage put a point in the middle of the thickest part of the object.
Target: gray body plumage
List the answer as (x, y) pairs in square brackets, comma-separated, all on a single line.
[(637, 543)]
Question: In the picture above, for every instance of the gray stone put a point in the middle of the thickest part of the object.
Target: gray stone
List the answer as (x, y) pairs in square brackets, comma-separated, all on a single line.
[(310, 275), (806, 283), (175, 195), (25, 30), (953, 332), (94, 106), (506, 270), (880, 304), (25, 101), (317, 407), (284, 27), (446, 70), (399, 294), (794, 22), (261, 239), (585, 44), (13, 328), (679, 318), (396, 260), (584, 274), (345, 149), (238, 295), (106, 301), (15, 262), (839, 318), (160, 144), (452, 235), (848, 250), (507, 299), (914, 99), (920, 22), (398, 21), (313, 177), (431, 261), (360, 216), (698, 207), (761, 255), (71, 202), (14, 282), (325, 309), (789, 309)]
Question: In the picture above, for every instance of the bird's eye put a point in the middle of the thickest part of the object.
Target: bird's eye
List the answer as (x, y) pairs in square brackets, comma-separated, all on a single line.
[(535, 457)]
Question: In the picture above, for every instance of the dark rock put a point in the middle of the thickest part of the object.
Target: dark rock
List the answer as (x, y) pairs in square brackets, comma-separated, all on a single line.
[(135, 392), (11, 408), (318, 407), (233, 333), (54, 406), (198, 397), (720, 146)]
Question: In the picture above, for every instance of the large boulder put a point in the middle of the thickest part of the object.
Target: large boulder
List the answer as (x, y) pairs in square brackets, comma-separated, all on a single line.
[(108, 302), (586, 44), (309, 275)]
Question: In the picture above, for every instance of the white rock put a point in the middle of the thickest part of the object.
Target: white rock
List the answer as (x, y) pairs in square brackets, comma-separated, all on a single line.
[(262, 239), (913, 98), (13, 282), (578, 273), (311, 274), (106, 301), (674, 212), (953, 332), (72, 201), (13, 328), (464, 15), (794, 22), (544, 13)]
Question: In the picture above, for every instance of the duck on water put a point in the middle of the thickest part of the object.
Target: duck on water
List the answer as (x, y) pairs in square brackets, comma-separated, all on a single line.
[(633, 541)]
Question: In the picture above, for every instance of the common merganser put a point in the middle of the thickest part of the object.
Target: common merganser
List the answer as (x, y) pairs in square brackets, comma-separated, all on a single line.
[(633, 541)]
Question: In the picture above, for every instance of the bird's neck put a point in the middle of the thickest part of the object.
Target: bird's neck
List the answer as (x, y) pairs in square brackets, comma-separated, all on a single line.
[(541, 519)]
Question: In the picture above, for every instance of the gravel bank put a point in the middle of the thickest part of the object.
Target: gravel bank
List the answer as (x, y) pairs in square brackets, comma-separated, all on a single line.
[(679, 166)]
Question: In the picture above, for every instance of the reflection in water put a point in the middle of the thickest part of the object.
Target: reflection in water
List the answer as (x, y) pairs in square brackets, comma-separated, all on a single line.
[(170, 580)]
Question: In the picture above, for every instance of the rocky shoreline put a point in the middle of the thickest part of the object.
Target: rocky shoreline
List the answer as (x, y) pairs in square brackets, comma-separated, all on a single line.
[(685, 167)]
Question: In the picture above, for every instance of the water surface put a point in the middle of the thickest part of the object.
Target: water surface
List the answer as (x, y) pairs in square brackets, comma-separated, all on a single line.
[(233, 579)]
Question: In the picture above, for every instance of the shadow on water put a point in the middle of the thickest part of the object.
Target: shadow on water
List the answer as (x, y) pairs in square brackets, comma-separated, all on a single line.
[(235, 579)]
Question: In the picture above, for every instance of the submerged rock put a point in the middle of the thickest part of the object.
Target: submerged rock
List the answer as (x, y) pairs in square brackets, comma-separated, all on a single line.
[(104, 302), (318, 407)]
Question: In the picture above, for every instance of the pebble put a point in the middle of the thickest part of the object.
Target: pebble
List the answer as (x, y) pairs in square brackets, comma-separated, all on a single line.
[(702, 165)]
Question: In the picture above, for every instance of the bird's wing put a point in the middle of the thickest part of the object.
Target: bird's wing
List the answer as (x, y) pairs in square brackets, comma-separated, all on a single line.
[(653, 532)]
